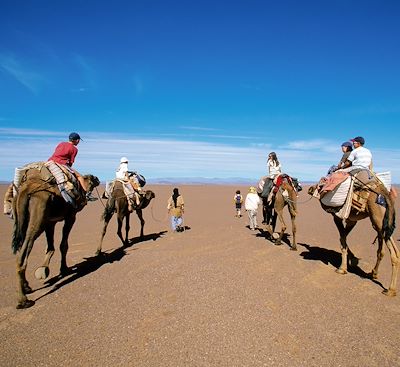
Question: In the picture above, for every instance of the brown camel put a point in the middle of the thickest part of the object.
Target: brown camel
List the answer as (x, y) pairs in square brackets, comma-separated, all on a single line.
[(275, 209), (382, 220), (37, 207), (118, 202)]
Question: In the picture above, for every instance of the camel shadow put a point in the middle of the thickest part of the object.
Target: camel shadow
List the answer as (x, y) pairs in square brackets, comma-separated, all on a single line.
[(91, 264), (265, 234), (334, 258), (148, 237)]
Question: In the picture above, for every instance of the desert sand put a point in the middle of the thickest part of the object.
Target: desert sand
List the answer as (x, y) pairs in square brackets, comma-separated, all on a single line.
[(217, 294)]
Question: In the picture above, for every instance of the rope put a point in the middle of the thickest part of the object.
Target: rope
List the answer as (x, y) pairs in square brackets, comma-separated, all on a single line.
[(97, 191), (293, 201), (157, 220), (299, 202)]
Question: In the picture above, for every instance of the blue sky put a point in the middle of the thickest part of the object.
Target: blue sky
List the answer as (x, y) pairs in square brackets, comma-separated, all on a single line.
[(199, 88)]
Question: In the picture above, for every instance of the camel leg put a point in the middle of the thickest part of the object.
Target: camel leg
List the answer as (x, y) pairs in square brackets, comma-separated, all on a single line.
[(139, 213), (283, 227), (120, 219), (119, 232), (127, 227), (343, 231), (68, 223), (395, 259), (294, 229), (34, 229), (103, 233), (379, 256), (22, 261), (43, 271)]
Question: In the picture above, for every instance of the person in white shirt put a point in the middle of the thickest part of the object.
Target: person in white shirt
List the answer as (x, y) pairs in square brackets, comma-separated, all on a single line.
[(359, 158), (122, 169), (251, 205), (274, 170), (133, 185), (274, 166)]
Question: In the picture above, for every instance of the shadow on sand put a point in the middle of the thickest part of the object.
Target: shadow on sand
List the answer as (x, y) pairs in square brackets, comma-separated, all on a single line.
[(265, 234), (334, 258), (91, 264)]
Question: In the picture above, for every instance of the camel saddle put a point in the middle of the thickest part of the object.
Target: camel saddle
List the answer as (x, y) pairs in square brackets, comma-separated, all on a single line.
[(132, 191), (55, 178), (342, 192)]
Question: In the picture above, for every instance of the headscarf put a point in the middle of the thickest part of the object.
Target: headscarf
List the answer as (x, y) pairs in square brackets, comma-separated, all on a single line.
[(175, 196)]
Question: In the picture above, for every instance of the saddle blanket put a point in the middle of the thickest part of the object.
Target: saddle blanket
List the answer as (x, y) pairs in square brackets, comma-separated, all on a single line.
[(338, 195)]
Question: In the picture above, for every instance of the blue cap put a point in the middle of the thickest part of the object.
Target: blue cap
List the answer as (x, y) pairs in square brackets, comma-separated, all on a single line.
[(347, 144), (74, 136), (359, 139)]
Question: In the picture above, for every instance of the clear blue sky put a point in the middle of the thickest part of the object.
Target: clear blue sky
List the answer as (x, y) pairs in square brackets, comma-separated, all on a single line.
[(200, 88)]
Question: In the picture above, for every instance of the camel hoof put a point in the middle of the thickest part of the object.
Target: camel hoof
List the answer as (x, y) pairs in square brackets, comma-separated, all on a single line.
[(389, 292), (341, 271), (27, 289), (26, 304), (293, 248), (42, 272), (278, 243), (275, 235), (372, 275), (64, 272)]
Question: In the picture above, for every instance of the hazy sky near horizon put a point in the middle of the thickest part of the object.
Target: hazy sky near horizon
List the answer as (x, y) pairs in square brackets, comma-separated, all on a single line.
[(200, 88)]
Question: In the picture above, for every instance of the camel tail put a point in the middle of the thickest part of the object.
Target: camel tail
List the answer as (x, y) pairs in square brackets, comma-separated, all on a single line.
[(389, 220), (21, 219), (109, 209)]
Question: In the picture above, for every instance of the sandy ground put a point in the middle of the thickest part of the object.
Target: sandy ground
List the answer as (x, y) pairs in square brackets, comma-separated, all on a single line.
[(216, 295)]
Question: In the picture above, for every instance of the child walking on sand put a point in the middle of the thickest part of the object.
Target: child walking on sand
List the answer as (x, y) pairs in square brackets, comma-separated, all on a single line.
[(238, 200), (251, 204)]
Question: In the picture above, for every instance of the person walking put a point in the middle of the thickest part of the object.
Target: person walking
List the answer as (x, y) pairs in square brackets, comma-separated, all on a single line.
[(238, 200), (175, 208), (251, 205)]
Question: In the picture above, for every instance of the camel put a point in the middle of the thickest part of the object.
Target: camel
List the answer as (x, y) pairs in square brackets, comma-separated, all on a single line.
[(118, 202), (382, 220), (37, 207), (275, 209)]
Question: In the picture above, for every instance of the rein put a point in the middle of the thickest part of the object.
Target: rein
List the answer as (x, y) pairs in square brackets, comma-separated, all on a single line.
[(293, 201), (157, 220)]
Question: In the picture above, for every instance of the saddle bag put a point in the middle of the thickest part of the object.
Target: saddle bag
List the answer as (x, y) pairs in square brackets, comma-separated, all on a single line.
[(360, 199)]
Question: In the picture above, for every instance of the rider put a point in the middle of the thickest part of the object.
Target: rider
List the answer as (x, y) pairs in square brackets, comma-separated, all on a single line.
[(347, 148), (274, 170), (360, 157), (123, 173), (122, 169), (65, 154)]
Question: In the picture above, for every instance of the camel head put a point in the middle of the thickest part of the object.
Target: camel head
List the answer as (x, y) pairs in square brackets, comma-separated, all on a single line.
[(148, 196), (92, 182)]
